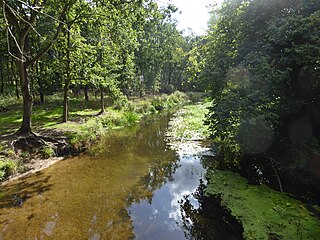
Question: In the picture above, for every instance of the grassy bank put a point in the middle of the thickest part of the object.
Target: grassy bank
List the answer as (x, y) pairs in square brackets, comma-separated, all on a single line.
[(84, 127)]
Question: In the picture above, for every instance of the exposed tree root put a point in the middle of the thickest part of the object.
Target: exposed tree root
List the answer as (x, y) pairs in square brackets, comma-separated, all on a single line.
[(33, 144)]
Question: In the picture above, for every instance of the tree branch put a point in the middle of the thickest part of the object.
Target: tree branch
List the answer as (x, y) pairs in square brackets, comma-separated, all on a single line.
[(56, 35), (10, 16)]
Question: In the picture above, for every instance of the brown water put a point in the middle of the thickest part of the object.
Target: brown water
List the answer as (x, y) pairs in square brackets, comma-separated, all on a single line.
[(131, 185)]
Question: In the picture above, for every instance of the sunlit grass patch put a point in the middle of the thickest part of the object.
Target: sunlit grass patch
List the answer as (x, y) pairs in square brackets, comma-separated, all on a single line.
[(7, 167)]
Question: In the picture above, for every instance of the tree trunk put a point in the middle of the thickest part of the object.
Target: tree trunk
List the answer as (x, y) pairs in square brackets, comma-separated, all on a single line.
[(15, 79), (66, 83), (86, 93), (102, 100), (27, 98), (2, 77), (41, 94), (17, 88), (65, 100)]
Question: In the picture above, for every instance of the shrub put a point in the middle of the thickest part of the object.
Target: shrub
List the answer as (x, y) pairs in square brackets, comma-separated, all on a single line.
[(121, 102), (159, 102), (145, 107), (176, 98), (131, 118)]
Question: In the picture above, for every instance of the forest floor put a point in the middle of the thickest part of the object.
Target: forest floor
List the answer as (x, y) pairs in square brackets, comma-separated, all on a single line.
[(54, 141)]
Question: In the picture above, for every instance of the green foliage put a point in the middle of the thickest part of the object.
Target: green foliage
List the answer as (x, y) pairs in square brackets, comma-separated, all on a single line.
[(158, 102), (145, 107), (47, 152), (188, 123), (24, 155), (177, 98), (163, 101), (263, 212), (261, 69), (131, 118), (7, 167), (121, 102)]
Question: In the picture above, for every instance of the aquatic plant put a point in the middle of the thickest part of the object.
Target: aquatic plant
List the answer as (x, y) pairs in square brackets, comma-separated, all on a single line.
[(263, 212), (188, 123)]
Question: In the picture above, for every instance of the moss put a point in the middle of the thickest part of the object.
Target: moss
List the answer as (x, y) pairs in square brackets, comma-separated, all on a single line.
[(264, 213)]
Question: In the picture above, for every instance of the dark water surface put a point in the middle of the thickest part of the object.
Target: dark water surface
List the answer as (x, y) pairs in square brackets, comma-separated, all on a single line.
[(131, 185)]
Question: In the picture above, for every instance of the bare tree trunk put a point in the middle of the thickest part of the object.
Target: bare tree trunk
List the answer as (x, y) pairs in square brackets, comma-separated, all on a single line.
[(65, 100), (17, 88), (66, 83), (102, 100), (41, 94), (86, 93), (2, 76), (27, 98), (15, 79)]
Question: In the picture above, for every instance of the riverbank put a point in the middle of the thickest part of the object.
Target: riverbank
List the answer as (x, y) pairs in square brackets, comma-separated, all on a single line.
[(263, 212), (53, 141)]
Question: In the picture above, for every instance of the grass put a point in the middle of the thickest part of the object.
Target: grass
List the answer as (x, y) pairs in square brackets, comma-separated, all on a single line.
[(49, 114), (84, 125), (264, 213), (7, 167)]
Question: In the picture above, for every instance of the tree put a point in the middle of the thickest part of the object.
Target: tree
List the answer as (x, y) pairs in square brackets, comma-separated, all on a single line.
[(21, 18), (262, 68)]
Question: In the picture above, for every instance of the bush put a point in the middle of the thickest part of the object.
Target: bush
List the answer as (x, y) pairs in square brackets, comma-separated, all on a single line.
[(159, 102), (131, 118), (121, 102), (7, 167), (145, 107), (176, 98)]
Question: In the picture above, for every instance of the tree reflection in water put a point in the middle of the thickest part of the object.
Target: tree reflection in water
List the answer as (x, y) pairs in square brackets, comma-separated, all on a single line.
[(208, 220)]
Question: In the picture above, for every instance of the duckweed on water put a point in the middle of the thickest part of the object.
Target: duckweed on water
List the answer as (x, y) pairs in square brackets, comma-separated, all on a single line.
[(264, 213), (188, 123)]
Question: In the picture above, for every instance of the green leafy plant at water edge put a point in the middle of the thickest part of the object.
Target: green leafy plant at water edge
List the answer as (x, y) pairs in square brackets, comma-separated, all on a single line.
[(7, 167), (131, 118), (264, 213)]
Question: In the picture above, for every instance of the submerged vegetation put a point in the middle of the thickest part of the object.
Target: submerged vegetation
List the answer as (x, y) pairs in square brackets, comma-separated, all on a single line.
[(188, 123), (264, 213), (83, 128)]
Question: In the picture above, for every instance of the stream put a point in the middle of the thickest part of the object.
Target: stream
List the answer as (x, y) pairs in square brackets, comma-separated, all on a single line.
[(130, 185)]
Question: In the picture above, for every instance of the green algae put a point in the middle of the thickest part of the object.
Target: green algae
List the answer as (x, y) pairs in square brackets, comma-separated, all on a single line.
[(188, 123), (263, 212)]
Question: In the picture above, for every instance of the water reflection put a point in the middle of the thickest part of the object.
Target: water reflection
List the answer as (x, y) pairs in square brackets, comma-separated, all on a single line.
[(175, 210), (131, 185)]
